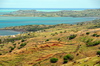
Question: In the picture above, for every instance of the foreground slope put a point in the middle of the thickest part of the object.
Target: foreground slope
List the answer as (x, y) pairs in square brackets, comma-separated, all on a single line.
[(36, 48)]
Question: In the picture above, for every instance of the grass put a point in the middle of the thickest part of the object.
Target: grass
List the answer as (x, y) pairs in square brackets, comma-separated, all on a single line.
[(38, 51)]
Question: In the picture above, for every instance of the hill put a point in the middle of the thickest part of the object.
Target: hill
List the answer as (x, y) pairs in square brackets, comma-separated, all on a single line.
[(78, 42), (65, 13)]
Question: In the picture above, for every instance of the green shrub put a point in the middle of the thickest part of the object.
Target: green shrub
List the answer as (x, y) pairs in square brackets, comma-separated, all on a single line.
[(22, 45), (97, 35), (87, 33), (12, 48), (65, 61), (98, 52), (47, 40), (22, 40), (59, 39), (88, 40), (56, 33), (60, 31), (69, 57), (93, 43), (14, 44), (0, 54), (72, 37), (53, 60), (94, 35), (65, 58)]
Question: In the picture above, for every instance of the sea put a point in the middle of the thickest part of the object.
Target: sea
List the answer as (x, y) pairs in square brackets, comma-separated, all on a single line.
[(8, 21)]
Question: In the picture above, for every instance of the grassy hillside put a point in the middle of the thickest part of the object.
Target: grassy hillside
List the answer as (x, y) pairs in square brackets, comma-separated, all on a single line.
[(53, 45), (65, 13)]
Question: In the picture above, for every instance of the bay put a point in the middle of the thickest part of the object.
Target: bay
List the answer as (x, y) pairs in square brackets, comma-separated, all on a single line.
[(19, 21), (8, 32)]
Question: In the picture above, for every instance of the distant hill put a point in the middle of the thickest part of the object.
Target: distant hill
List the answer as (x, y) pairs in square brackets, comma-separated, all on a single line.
[(64, 13)]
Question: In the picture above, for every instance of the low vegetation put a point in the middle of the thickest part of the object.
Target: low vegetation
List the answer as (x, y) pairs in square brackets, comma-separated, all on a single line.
[(71, 45), (53, 60)]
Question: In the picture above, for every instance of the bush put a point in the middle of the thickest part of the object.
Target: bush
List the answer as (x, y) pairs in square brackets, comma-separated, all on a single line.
[(56, 33), (69, 57), (22, 45), (53, 60), (0, 54), (65, 61), (93, 43), (65, 57), (11, 48), (14, 44), (47, 40), (59, 39), (95, 35), (22, 40), (72, 37), (98, 52), (87, 33), (61, 32)]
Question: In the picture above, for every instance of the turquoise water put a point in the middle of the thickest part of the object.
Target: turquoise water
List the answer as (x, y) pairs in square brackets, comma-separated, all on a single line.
[(19, 21)]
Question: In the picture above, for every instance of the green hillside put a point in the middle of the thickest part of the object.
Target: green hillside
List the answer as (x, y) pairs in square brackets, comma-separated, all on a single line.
[(52, 45)]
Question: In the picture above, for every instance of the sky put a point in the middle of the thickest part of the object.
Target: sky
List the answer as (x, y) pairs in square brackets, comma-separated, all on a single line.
[(49, 3)]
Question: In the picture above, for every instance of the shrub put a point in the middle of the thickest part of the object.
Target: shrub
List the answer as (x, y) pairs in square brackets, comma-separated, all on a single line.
[(47, 40), (12, 48), (14, 44), (98, 52), (22, 40), (87, 33), (60, 31), (53, 60), (0, 54), (94, 35), (69, 57), (65, 58), (93, 43), (59, 39), (65, 61), (22, 45), (56, 33), (97, 35), (88, 40), (72, 37), (65, 31)]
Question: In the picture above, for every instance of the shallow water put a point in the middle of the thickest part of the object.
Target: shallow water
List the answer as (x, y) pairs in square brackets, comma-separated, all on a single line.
[(19, 21), (8, 32)]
